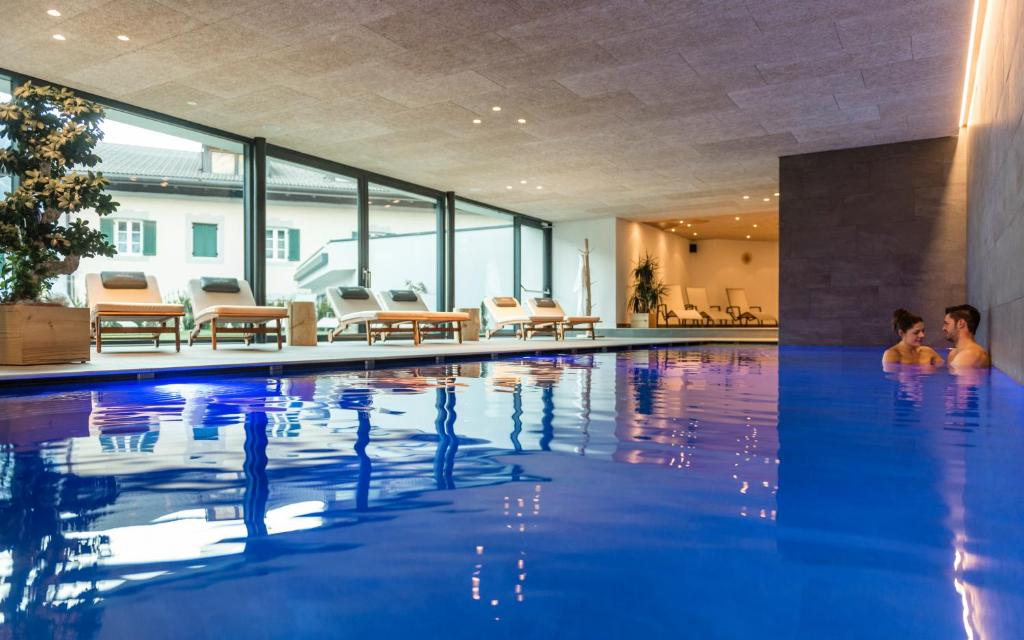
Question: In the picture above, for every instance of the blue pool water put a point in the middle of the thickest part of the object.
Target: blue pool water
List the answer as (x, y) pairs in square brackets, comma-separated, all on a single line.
[(686, 493)]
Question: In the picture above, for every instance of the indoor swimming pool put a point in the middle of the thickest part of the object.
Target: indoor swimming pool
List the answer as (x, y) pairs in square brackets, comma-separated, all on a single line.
[(704, 492)]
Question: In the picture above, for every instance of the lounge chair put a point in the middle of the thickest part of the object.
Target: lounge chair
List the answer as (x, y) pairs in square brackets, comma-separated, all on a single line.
[(676, 308), (505, 311), (741, 309), (358, 305), (549, 307), (698, 301), (227, 304), (408, 301), (130, 296)]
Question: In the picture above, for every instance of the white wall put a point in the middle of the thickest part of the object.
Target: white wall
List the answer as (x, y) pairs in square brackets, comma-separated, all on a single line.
[(718, 264), (566, 243)]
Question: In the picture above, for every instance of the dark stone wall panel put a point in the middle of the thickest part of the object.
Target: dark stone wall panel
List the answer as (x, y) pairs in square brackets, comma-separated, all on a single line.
[(864, 231)]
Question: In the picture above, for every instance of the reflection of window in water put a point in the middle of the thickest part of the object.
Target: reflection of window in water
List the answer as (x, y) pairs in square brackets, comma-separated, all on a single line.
[(136, 443)]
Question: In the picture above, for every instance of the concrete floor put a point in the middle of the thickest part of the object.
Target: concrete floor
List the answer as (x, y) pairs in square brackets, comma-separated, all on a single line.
[(138, 361)]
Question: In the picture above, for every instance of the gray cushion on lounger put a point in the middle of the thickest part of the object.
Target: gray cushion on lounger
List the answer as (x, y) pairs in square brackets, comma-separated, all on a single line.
[(403, 295), (353, 293), (544, 302), (506, 302), (219, 285), (123, 279)]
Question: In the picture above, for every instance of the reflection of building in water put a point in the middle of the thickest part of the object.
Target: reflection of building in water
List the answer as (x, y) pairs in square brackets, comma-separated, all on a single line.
[(710, 412), (495, 582)]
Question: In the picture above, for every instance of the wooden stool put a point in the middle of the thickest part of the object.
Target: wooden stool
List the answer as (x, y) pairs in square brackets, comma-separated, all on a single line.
[(301, 324)]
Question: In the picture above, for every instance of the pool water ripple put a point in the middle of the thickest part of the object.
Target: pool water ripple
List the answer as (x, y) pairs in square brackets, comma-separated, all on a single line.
[(713, 492)]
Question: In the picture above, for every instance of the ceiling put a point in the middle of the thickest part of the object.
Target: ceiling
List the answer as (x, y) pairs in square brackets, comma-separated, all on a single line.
[(642, 109), (761, 225)]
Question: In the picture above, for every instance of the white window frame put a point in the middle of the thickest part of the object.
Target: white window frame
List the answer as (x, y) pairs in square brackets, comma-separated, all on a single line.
[(277, 244), (123, 232)]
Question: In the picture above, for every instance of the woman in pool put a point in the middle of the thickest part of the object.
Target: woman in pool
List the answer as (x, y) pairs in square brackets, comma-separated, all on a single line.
[(911, 348)]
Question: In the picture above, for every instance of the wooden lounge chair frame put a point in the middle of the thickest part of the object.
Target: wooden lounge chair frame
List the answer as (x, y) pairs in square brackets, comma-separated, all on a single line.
[(525, 325), (745, 315), (248, 318), (147, 300), (565, 321)]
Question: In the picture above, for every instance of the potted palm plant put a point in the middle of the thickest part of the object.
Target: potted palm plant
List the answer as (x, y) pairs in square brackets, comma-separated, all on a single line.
[(49, 135), (648, 291)]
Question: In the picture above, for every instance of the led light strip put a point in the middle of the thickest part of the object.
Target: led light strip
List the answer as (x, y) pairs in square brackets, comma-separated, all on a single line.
[(973, 46)]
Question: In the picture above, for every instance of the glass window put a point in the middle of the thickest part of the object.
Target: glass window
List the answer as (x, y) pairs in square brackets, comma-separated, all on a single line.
[(204, 240), (177, 220), (484, 245), (403, 242), (311, 234), (531, 274), (5, 96)]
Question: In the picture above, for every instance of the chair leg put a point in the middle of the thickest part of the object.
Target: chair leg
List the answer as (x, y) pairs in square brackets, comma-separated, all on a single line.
[(278, 321), (416, 332), (99, 336), (213, 332), (177, 335), (458, 331), (369, 334)]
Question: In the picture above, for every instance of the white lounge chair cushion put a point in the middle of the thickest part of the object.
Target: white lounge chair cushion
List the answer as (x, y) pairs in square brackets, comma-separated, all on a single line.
[(139, 308), (241, 313)]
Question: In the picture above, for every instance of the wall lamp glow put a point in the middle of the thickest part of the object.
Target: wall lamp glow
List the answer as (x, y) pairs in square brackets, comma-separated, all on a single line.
[(973, 49)]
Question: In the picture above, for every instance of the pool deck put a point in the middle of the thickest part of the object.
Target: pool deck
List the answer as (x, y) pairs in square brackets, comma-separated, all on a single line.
[(142, 362)]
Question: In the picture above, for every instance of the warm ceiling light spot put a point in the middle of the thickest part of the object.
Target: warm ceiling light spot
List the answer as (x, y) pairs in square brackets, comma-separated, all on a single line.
[(688, 225), (54, 13), (477, 120), (123, 38), (495, 108), (508, 186), (694, 233), (737, 218), (192, 103), (746, 197), (776, 194), (673, 229), (682, 221), (522, 182), (755, 225), (748, 236), (539, 187), (58, 36), (521, 120), (767, 199)]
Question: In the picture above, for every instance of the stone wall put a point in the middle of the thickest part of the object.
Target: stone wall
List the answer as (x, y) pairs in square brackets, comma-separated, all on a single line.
[(865, 231), (995, 157)]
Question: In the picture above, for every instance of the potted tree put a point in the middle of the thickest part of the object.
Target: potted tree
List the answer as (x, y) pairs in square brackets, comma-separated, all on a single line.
[(50, 136), (647, 293)]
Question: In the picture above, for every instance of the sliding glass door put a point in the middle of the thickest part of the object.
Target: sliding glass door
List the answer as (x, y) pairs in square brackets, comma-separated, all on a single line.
[(403, 237)]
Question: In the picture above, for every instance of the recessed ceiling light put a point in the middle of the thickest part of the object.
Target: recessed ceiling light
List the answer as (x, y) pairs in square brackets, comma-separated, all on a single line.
[(477, 120), (694, 233), (748, 237), (673, 229), (767, 199), (495, 108), (123, 38), (54, 13), (58, 36), (746, 197), (521, 120), (776, 194), (508, 186), (522, 182), (682, 221), (737, 218), (755, 226), (191, 103), (539, 187), (688, 225)]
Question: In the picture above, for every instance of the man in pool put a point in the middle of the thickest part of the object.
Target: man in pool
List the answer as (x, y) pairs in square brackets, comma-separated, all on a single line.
[(959, 326)]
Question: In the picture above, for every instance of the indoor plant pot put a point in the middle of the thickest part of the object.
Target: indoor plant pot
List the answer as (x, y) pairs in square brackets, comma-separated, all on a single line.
[(640, 321), (43, 334)]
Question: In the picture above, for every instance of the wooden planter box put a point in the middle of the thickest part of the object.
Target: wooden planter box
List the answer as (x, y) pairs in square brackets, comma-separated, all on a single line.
[(43, 334)]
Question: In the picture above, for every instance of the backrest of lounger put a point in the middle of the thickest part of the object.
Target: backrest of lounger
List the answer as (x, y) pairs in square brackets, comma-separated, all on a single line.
[(503, 313), (345, 303), (206, 299), (673, 299), (737, 298), (388, 302), (96, 293), (698, 297), (534, 308)]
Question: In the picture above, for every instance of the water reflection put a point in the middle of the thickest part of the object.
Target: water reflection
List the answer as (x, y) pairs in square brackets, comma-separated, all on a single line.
[(137, 488)]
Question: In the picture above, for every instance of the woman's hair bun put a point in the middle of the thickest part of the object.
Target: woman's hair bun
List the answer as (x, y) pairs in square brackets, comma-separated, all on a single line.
[(903, 320)]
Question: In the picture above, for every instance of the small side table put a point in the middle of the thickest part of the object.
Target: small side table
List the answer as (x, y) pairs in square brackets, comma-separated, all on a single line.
[(471, 327), (301, 324)]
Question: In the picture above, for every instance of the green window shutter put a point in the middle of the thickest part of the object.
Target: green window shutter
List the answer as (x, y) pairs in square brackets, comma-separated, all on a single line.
[(293, 245), (107, 229), (204, 240), (149, 237)]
